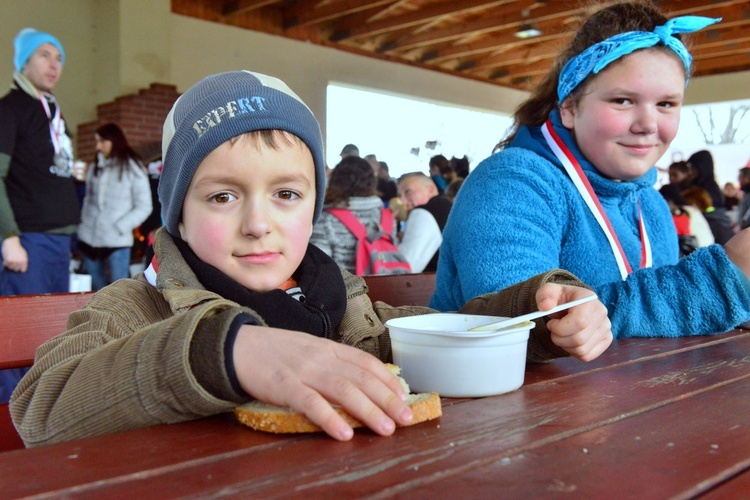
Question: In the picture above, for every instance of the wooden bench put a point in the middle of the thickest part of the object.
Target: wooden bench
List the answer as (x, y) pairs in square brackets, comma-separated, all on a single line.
[(402, 289), (27, 322), (30, 320)]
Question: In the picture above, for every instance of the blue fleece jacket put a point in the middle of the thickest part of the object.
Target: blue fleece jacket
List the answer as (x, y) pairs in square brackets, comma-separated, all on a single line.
[(519, 214)]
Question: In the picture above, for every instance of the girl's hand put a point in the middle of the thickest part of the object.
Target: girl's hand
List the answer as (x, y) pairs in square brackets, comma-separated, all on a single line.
[(307, 374), (585, 330)]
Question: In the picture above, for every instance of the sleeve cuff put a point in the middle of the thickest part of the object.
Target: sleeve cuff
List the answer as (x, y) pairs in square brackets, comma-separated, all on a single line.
[(520, 299), (211, 359)]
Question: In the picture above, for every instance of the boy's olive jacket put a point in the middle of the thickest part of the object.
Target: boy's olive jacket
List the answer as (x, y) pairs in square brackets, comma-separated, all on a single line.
[(140, 355)]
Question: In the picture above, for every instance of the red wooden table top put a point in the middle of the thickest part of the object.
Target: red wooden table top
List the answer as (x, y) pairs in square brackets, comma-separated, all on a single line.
[(650, 417)]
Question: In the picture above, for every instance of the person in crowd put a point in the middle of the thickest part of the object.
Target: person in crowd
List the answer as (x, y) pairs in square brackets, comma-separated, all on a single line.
[(743, 211), (693, 230), (452, 190), (460, 166), (731, 196), (383, 189), (702, 164), (40, 209), (386, 183), (427, 214), (438, 164), (154, 166), (681, 174), (118, 200), (39, 206), (399, 212), (717, 218), (239, 306), (702, 178), (572, 187), (350, 150), (372, 159), (351, 187)]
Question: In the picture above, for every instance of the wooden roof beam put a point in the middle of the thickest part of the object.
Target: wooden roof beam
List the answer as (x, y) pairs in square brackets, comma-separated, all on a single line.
[(503, 19), (309, 13), (416, 18), (237, 7)]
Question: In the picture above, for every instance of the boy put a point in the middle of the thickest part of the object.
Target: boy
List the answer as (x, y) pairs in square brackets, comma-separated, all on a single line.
[(236, 304)]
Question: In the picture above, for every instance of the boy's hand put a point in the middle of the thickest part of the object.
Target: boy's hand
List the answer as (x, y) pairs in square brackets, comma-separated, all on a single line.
[(303, 372), (585, 330)]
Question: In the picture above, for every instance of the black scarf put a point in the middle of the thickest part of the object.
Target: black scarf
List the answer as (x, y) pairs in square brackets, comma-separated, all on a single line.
[(318, 311)]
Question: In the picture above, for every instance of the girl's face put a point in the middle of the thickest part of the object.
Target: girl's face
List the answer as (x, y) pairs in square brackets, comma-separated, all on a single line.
[(629, 113), (104, 146)]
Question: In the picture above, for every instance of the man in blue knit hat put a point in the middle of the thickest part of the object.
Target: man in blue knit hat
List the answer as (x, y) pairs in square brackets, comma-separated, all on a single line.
[(39, 210)]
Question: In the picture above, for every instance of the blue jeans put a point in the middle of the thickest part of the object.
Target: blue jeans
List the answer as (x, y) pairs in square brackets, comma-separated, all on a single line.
[(48, 272), (49, 266), (119, 267)]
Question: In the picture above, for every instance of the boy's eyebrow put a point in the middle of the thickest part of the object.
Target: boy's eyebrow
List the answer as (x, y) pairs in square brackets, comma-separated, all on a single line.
[(232, 180), (216, 179), (295, 177)]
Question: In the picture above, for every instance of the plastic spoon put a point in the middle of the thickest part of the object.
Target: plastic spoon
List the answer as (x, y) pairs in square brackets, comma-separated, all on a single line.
[(506, 323)]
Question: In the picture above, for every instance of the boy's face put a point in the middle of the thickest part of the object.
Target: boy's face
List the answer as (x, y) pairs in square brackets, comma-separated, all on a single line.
[(248, 210)]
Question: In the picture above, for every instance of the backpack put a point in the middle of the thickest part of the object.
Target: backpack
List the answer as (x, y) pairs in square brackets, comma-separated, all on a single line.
[(377, 256)]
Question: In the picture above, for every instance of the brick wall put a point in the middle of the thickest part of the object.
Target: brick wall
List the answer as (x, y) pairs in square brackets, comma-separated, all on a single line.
[(140, 116)]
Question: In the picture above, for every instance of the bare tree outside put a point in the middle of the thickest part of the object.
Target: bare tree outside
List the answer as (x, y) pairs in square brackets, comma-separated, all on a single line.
[(726, 133)]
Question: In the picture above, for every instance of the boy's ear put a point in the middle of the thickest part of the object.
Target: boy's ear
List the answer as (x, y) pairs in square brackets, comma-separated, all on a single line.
[(181, 229), (567, 114)]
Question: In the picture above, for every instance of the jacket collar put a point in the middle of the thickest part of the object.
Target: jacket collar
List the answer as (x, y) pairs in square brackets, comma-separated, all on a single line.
[(22, 83), (175, 280)]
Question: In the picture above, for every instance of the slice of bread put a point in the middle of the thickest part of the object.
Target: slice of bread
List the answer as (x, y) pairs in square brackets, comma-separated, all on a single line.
[(271, 418)]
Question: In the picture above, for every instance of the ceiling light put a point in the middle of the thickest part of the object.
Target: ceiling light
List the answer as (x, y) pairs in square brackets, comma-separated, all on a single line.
[(527, 30)]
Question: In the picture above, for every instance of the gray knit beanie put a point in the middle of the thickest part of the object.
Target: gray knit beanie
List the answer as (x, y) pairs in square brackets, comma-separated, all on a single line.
[(221, 107)]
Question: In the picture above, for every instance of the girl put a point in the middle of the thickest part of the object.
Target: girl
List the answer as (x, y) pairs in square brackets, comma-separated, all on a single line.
[(118, 199), (572, 187), (352, 187)]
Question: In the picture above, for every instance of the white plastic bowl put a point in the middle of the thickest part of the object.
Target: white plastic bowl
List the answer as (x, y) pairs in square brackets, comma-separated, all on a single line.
[(437, 353)]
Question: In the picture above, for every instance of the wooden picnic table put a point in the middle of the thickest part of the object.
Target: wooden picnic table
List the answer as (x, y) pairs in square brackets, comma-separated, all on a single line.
[(651, 418)]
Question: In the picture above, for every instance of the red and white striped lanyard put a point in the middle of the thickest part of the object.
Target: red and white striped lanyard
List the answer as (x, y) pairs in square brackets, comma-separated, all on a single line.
[(583, 185), (55, 122)]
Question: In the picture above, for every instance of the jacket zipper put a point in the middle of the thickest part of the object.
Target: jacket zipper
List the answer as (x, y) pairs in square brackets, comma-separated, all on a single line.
[(327, 327)]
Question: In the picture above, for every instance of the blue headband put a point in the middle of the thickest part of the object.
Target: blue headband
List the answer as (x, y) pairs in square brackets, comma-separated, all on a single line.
[(598, 56)]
